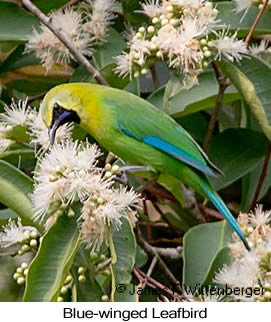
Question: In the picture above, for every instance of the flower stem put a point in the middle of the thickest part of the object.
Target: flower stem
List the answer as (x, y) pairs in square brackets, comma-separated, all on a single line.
[(112, 248)]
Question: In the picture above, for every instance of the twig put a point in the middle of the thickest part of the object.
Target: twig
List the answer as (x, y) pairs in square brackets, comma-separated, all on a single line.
[(154, 190), (257, 19), (150, 270), (157, 284), (65, 40), (171, 227), (154, 76), (153, 252), (208, 212), (104, 265), (262, 177), (223, 83), (177, 241)]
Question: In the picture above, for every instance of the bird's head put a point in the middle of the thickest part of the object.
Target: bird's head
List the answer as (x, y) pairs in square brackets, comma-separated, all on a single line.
[(60, 105)]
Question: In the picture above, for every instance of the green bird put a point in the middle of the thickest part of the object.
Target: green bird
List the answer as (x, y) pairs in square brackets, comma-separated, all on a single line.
[(137, 132)]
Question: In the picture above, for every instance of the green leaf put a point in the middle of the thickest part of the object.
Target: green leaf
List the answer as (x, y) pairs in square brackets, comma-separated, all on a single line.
[(228, 17), (53, 260), (17, 60), (141, 257), (131, 12), (107, 52), (250, 182), (15, 188), (89, 291), (195, 99), (252, 78), (232, 152), (47, 6), (222, 258), (125, 246), (174, 186), (16, 24), (129, 295), (202, 244)]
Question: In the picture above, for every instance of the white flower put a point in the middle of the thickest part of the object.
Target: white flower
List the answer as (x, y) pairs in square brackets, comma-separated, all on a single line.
[(242, 4), (242, 273), (152, 8), (194, 4), (256, 49), (5, 144), (105, 211), (229, 46), (124, 64), (13, 233), (50, 49), (259, 217), (16, 113), (100, 18), (39, 132), (64, 174)]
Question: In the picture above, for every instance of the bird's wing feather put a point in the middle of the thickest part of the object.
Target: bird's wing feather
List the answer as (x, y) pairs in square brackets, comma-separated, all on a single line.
[(142, 121)]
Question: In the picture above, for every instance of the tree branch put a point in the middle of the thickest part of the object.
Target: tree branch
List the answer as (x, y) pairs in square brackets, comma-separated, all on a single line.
[(257, 19), (65, 40), (223, 83), (154, 252), (262, 177)]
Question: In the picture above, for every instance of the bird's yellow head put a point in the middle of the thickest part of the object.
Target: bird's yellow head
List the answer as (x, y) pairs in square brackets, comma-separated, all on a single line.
[(61, 105)]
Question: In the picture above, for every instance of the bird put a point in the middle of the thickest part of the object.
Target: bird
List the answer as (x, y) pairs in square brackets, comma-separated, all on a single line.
[(137, 132)]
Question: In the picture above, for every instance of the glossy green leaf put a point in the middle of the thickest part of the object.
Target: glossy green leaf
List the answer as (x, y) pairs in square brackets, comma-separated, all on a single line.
[(89, 291), (250, 182), (201, 246), (228, 16), (16, 24), (129, 294), (53, 260), (47, 6), (107, 52), (231, 151), (125, 246), (195, 99), (141, 257), (222, 258), (252, 79), (173, 185), (15, 188)]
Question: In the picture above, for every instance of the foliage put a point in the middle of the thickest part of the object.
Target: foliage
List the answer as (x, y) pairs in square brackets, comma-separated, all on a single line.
[(170, 216)]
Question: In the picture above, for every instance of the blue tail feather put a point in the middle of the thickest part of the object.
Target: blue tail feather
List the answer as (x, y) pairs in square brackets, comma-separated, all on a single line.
[(220, 205)]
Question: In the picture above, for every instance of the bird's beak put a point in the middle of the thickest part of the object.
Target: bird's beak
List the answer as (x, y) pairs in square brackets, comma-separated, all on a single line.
[(52, 131), (64, 117)]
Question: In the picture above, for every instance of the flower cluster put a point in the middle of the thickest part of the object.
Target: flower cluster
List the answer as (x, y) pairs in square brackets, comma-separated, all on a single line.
[(27, 122), (250, 269), (100, 17), (15, 233), (81, 27), (242, 5), (68, 173), (178, 34)]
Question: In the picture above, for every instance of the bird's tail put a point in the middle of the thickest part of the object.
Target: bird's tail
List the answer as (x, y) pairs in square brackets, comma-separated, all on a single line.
[(220, 205)]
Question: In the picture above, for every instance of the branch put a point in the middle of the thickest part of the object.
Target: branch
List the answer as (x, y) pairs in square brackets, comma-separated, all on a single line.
[(65, 40), (154, 252), (262, 177), (257, 19), (152, 282), (223, 83)]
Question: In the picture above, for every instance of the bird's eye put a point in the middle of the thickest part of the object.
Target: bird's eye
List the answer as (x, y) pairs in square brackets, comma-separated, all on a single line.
[(56, 106)]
